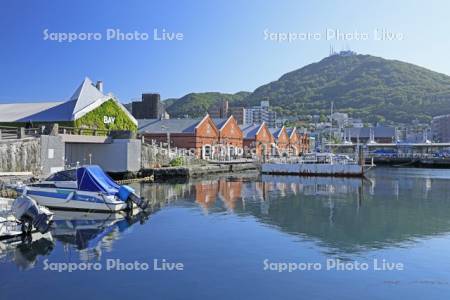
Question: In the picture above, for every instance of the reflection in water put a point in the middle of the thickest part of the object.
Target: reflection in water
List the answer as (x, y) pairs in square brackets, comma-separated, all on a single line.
[(87, 233), (340, 215), (90, 233), (24, 252)]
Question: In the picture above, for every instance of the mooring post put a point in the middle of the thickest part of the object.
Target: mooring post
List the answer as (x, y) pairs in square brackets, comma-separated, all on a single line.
[(361, 156), (21, 133)]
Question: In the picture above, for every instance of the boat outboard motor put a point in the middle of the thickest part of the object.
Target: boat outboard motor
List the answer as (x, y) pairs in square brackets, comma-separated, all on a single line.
[(128, 194), (30, 214)]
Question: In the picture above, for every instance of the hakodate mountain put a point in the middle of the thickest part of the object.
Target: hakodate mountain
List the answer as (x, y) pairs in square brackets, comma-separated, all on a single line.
[(365, 86)]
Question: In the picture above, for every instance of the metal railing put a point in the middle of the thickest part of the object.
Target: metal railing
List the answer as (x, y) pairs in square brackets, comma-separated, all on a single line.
[(13, 133)]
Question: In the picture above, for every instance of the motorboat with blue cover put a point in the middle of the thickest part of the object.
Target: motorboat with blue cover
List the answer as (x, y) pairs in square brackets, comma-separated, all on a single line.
[(84, 188)]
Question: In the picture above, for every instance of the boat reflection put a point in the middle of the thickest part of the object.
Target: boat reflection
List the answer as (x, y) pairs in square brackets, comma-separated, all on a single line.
[(88, 233), (25, 252)]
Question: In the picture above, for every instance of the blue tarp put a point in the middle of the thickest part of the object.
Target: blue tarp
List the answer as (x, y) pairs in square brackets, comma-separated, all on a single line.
[(93, 179)]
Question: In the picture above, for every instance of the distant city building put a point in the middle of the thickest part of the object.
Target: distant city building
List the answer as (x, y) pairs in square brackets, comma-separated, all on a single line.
[(371, 134), (222, 110), (237, 113), (354, 122), (149, 108), (440, 128), (219, 110), (259, 114), (340, 118)]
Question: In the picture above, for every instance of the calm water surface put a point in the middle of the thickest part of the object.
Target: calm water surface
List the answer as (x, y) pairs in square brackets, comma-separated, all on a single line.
[(223, 229)]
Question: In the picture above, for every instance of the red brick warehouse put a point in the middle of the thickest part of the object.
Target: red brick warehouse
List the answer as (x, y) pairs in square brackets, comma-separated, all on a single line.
[(258, 140), (230, 137), (198, 135)]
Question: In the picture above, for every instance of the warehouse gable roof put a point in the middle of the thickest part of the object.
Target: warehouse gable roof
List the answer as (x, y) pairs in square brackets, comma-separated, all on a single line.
[(291, 131), (168, 125), (276, 132), (220, 122), (250, 131)]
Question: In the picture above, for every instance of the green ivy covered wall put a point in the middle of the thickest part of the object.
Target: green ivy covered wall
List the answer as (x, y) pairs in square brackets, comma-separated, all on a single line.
[(107, 116)]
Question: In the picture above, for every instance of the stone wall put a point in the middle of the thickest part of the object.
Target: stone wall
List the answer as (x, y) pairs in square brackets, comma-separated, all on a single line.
[(20, 155), (48, 154), (154, 156)]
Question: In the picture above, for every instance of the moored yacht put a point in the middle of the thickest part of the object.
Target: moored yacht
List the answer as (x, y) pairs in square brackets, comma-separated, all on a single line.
[(83, 188)]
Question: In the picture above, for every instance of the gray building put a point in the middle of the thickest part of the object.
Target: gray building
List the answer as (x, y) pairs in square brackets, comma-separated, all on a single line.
[(440, 128), (380, 134), (149, 108)]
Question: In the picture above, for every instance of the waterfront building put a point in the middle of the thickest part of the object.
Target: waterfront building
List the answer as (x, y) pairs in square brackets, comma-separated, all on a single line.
[(258, 140), (365, 135), (440, 128), (304, 141), (281, 138), (294, 143), (88, 107), (199, 135), (299, 142), (355, 122), (230, 137)]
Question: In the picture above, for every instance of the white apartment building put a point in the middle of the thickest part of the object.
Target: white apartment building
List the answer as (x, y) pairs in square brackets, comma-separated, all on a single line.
[(259, 114)]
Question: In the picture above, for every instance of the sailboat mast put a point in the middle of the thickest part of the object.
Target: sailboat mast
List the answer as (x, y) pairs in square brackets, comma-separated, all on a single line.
[(331, 119)]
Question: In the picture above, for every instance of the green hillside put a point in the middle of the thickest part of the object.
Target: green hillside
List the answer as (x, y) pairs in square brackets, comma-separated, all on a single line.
[(197, 104), (365, 86), (372, 88)]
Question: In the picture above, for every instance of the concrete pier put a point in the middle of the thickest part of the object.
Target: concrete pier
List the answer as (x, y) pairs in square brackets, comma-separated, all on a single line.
[(350, 170), (198, 170)]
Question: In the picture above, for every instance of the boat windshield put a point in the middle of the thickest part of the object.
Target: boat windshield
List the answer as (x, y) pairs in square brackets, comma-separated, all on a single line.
[(67, 175)]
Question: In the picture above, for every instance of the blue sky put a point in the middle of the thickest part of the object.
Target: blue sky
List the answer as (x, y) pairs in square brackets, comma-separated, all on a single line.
[(223, 48)]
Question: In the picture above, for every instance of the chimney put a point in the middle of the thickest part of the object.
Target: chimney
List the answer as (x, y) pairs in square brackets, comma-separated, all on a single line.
[(99, 85)]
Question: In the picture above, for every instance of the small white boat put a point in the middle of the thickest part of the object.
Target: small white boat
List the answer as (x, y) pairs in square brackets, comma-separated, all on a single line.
[(84, 188)]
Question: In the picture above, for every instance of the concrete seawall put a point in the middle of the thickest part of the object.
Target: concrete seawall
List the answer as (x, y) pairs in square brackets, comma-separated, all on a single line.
[(199, 170), (123, 158)]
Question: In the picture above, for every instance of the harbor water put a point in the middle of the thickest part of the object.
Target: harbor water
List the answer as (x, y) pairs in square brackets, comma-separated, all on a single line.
[(249, 236)]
